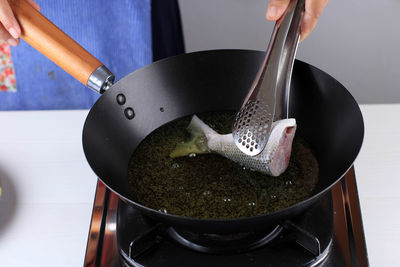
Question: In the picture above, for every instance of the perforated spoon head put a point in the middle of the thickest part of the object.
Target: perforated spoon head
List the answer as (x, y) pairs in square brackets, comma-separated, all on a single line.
[(252, 126)]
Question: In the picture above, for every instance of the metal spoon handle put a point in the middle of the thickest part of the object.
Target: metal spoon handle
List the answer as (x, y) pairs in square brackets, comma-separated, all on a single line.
[(273, 80), (283, 50), (268, 98)]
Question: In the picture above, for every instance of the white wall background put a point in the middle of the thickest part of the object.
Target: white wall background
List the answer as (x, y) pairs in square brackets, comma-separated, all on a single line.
[(356, 41)]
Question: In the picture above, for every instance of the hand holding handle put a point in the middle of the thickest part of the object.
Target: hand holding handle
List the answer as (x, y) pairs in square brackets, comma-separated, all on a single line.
[(49, 40)]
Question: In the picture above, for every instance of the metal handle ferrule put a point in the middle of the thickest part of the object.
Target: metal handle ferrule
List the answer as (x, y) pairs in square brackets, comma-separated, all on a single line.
[(100, 80)]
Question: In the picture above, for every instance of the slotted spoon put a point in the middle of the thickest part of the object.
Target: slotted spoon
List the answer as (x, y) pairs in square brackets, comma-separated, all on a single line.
[(268, 98)]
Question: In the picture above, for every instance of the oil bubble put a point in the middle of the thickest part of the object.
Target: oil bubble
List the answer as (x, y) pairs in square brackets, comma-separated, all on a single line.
[(175, 166), (207, 192), (164, 210)]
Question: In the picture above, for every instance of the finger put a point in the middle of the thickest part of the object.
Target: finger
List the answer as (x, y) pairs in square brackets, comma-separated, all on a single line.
[(8, 20), (276, 8), (5, 36), (34, 4), (312, 13)]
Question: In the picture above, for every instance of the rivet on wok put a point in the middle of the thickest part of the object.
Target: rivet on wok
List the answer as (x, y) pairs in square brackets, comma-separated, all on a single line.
[(129, 113), (121, 99)]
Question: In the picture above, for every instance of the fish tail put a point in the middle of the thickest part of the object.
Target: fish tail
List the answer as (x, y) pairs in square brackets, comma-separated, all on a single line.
[(197, 144), (198, 127)]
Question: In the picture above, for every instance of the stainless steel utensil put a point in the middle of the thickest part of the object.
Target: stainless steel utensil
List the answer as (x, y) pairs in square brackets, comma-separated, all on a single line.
[(268, 98)]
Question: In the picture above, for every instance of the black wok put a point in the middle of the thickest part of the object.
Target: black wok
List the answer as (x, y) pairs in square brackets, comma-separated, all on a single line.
[(327, 115)]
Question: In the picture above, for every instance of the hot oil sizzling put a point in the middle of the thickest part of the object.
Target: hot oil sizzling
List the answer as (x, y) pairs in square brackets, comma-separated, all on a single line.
[(211, 186)]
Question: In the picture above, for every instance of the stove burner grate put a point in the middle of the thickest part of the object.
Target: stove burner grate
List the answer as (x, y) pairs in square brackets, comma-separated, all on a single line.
[(222, 244), (305, 241)]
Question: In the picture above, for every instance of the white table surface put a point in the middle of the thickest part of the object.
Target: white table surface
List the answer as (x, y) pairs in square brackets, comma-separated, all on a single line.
[(48, 188)]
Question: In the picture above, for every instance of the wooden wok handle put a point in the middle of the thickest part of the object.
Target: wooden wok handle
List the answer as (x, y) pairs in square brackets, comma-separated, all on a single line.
[(49, 40)]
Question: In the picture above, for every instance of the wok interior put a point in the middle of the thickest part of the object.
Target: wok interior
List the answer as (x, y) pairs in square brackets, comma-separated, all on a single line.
[(327, 115)]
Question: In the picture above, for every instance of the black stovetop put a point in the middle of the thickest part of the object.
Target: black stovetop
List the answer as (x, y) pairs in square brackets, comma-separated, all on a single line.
[(328, 234)]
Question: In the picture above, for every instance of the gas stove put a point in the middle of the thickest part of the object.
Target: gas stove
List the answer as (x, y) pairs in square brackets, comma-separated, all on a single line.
[(328, 234)]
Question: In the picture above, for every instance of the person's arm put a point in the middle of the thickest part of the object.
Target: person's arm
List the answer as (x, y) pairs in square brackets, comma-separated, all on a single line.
[(312, 13), (9, 27)]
